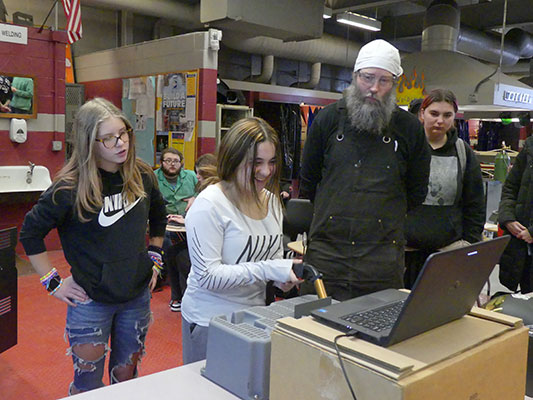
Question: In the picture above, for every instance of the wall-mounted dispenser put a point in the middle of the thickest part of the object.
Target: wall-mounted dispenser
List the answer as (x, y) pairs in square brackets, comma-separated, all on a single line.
[(18, 131)]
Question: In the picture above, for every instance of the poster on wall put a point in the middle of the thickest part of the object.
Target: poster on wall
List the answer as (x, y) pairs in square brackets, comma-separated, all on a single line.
[(177, 94), (138, 103)]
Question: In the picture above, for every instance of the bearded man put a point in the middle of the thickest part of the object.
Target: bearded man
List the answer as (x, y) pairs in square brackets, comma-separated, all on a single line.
[(177, 185), (365, 163)]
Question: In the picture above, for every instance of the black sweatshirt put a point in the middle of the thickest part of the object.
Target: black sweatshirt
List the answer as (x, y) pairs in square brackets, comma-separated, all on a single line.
[(107, 254)]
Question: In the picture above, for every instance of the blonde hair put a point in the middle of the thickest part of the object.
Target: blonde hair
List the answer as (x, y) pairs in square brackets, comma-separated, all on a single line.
[(239, 145), (81, 174), (206, 167)]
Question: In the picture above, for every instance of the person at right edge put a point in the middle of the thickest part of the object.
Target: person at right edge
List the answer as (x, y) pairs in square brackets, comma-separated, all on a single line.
[(365, 163), (453, 213), (515, 218)]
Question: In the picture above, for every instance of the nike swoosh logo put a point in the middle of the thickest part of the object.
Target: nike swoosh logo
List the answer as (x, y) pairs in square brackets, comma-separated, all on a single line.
[(106, 221)]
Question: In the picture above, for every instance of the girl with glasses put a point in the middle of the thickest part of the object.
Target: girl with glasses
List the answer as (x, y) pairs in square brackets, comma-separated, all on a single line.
[(234, 234), (101, 202)]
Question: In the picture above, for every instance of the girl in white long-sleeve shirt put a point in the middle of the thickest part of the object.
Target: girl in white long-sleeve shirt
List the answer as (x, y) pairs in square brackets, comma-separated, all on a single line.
[(234, 234)]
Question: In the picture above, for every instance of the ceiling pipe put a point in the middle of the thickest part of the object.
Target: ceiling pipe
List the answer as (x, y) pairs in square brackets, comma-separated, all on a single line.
[(523, 41), (329, 49), (441, 26), (442, 31), (267, 70), (314, 78), (485, 47)]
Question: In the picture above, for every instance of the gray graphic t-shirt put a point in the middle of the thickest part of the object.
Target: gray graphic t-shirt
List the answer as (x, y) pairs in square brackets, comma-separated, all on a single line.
[(442, 186)]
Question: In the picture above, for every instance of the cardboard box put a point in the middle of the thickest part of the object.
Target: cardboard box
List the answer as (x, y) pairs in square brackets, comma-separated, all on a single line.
[(481, 356)]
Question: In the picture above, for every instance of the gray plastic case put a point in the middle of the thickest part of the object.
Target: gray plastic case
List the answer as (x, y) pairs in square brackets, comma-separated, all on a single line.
[(238, 351)]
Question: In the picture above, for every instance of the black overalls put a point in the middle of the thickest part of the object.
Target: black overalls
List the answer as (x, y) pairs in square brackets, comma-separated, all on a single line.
[(357, 234)]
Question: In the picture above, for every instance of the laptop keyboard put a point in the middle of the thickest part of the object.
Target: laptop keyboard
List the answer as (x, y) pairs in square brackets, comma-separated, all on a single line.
[(378, 319)]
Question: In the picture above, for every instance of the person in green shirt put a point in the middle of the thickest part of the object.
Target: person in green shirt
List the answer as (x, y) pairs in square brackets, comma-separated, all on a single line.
[(177, 185)]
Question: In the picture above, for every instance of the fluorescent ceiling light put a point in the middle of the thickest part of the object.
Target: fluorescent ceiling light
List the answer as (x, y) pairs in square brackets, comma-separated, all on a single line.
[(327, 13), (360, 21)]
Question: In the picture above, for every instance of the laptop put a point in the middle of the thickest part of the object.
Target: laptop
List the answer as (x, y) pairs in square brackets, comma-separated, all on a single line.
[(445, 290)]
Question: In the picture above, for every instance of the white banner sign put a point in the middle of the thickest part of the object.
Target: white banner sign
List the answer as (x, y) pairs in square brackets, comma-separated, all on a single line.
[(513, 96), (13, 34)]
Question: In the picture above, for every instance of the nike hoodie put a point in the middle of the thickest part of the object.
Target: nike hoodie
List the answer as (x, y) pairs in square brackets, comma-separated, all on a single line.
[(107, 254)]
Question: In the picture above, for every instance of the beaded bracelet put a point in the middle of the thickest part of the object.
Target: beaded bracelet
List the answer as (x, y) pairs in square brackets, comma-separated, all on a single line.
[(48, 277), (157, 268), (58, 286)]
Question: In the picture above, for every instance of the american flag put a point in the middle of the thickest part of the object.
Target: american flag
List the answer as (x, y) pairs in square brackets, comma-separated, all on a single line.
[(73, 14)]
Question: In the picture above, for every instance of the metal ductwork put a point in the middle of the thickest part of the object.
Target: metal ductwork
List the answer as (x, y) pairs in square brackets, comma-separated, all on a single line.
[(314, 78), (280, 19), (485, 47), (475, 84), (275, 18), (266, 72), (522, 40), (441, 19), (441, 26), (442, 31), (329, 49)]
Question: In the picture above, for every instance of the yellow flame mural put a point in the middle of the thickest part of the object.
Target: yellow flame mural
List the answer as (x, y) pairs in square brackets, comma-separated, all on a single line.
[(410, 88)]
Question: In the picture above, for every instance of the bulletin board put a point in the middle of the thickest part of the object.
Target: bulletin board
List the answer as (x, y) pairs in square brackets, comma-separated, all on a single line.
[(176, 114), (163, 110)]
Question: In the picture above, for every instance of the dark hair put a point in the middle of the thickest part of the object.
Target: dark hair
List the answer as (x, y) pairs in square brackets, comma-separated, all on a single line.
[(172, 150), (414, 106), (439, 95)]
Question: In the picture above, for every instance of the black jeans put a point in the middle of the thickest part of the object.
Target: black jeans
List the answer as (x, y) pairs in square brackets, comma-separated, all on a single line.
[(178, 265)]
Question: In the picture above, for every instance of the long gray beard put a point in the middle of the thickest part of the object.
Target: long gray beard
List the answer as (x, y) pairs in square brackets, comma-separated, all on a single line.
[(365, 116)]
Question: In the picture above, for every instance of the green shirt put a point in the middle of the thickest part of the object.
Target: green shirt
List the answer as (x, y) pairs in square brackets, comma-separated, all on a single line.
[(24, 95), (185, 188)]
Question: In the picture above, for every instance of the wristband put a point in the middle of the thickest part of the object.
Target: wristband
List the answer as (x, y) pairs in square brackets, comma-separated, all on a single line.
[(54, 284), (156, 254), (45, 279)]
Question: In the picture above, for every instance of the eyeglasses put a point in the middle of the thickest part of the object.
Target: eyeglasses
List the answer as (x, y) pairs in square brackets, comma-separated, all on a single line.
[(111, 141), (171, 162), (370, 79)]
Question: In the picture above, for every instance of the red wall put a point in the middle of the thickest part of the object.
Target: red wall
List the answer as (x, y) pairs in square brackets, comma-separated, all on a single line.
[(110, 89), (43, 58)]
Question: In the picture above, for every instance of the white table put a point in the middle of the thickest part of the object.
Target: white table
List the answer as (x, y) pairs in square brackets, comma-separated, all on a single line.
[(183, 382)]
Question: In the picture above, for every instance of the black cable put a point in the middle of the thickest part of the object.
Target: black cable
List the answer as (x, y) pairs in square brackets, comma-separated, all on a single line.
[(46, 19), (349, 334)]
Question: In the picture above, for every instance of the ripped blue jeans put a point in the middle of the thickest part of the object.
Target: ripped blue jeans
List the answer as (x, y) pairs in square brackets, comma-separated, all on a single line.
[(126, 324)]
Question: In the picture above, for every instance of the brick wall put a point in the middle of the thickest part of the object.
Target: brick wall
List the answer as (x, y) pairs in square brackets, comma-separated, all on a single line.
[(43, 58)]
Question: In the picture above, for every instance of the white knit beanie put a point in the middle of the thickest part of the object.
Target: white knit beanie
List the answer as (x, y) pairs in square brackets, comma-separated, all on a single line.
[(379, 54)]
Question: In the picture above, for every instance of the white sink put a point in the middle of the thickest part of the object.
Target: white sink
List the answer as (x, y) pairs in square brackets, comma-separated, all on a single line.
[(15, 178)]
